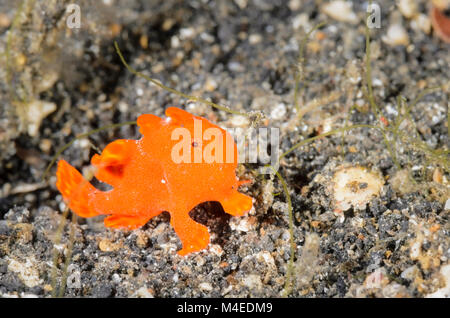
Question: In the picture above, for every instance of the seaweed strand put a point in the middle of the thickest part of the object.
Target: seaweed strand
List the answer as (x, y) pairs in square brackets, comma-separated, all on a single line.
[(174, 91)]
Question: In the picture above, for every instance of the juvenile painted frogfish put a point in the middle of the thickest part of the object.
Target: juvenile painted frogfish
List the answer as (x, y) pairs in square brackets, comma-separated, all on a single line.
[(171, 168)]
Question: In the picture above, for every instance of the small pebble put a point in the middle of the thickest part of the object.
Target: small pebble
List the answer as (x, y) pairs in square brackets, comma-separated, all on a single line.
[(45, 145), (240, 224), (5, 21), (340, 11), (206, 287), (253, 282), (447, 205), (236, 67), (37, 110), (108, 246), (294, 5), (187, 33), (242, 4), (116, 278), (301, 20), (144, 292), (278, 112), (254, 39), (408, 8), (396, 35)]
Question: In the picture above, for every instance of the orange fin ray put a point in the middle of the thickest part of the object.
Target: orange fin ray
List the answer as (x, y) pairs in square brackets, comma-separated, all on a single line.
[(194, 236), (237, 204), (75, 189)]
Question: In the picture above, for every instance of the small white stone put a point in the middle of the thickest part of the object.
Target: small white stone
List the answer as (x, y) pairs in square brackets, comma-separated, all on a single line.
[(236, 67), (377, 82), (239, 121), (206, 287), (216, 250), (116, 278), (340, 11), (254, 38), (294, 4), (47, 81), (211, 84), (207, 37), (391, 110), (358, 222), (139, 92), (62, 206), (242, 4), (408, 8), (415, 250), (447, 205), (227, 290), (267, 258), (280, 206), (200, 261), (37, 110), (396, 35), (422, 22), (84, 143), (278, 112), (301, 20), (410, 273), (174, 42), (59, 247), (253, 282), (143, 292), (240, 224), (187, 33), (123, 107)]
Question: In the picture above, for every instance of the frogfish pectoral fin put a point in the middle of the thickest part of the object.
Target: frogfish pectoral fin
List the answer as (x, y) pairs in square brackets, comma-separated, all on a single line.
[(111, 163), (194, 236), (75, 189), (237, 204)]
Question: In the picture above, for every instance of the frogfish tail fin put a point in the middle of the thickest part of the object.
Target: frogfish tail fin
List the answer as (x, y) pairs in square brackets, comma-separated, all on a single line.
[(75, 189)]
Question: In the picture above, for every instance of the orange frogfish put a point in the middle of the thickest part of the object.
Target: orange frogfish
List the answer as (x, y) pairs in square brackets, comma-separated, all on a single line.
[(171, 168)]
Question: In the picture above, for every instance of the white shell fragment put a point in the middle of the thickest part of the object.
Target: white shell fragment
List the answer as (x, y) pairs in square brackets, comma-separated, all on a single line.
[(408, 8), (355, 187), (37, 110), (396, 35), (340, 11)]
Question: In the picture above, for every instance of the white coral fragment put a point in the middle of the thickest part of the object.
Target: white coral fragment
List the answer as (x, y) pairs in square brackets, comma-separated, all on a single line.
[(37, 110), (355, 187)]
